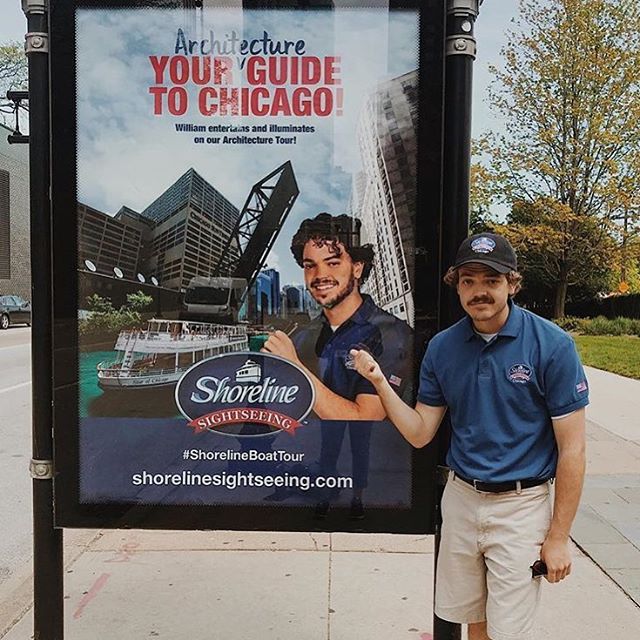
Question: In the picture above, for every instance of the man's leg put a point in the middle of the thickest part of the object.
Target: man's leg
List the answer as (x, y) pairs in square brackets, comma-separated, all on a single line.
[(331, 437), (360, 439), (478, 631), (461, 587), (517, 525)]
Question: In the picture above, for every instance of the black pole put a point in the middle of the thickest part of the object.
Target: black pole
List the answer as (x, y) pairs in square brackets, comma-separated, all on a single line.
[(47, 541), (460, 50)]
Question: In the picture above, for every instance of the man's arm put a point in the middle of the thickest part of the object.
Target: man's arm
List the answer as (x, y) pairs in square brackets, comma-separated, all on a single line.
[(570, 438), (328, 405), (419, 425)]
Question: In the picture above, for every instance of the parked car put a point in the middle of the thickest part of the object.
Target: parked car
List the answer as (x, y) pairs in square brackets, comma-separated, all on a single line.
[(14, 310)]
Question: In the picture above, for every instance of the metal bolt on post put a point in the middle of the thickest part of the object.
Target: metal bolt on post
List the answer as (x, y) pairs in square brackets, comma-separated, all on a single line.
[(460, 52)]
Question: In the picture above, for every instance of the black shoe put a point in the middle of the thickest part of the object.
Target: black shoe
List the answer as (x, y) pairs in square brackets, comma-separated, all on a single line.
[(356, 512), (321, 510)]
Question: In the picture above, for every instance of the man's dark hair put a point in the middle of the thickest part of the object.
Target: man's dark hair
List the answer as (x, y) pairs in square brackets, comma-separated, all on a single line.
[(514, 278), (329, 230)]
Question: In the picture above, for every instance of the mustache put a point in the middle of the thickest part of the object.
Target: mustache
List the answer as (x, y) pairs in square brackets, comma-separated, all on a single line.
[(320, 281), (481, 300)]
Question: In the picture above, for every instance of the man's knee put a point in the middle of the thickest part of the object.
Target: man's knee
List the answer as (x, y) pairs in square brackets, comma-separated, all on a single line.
[(478, 631)]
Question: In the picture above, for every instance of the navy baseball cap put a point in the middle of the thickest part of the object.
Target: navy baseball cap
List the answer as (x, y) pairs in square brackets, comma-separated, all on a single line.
[(489, 249)]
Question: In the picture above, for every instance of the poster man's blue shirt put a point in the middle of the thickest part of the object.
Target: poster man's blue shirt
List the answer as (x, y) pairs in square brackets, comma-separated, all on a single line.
[(326, 352)]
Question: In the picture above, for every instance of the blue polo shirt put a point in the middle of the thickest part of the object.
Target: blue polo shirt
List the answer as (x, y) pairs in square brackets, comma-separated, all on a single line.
[(326, 352), (503, 393)]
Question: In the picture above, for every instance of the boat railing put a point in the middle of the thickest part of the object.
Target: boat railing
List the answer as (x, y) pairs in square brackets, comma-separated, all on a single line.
[(168, 338), (117, 372)]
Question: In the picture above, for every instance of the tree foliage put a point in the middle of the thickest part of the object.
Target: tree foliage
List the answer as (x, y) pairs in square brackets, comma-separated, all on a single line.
[(13, 67), (138, 301), (481, 190), (569, 92), (625, 268), (13, 73), (105, 319), (556, 245)]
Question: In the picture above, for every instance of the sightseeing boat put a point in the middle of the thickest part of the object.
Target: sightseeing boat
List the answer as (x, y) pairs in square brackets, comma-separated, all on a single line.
[(159, 355)]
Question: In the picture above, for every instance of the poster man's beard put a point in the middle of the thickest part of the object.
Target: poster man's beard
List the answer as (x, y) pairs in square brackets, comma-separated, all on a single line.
[(341, 295)]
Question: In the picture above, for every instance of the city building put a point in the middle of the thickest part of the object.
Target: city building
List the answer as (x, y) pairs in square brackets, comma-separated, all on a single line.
[(383, 194), (180, 235), (192, 230), (110, 242), (296, 299), (260, 299), (265, 297), (292, 300), (15, 254), (192, 222), (273, 283)]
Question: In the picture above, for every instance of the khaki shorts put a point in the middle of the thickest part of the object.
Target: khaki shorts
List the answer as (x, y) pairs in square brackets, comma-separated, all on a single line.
[(489, 542)]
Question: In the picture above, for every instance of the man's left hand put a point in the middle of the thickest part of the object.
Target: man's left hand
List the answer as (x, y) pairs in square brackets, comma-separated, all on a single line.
[(556, 554), (280, 344)]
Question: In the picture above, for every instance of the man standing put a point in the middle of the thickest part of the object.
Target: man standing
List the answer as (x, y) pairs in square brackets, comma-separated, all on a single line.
[(516, 392), (335, 266)]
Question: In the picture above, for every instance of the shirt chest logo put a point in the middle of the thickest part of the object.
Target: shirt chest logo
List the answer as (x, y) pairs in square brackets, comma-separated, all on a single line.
[(520, 373)]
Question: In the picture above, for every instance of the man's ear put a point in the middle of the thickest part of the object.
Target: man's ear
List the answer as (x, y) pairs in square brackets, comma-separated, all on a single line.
[(358, 268)]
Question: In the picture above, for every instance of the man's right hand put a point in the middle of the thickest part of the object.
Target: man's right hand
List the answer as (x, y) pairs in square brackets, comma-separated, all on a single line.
[(367, 367)]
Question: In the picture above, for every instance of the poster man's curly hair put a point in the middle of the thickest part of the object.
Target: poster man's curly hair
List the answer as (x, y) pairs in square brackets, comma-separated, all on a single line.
[(328, 230)]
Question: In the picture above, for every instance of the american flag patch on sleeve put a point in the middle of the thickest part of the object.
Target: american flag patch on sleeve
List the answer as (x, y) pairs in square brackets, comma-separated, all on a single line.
[(395, 380), (581, 386)]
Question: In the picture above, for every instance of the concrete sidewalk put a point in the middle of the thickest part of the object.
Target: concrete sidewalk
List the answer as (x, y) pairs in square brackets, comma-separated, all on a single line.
[(249, 586), (607, 526), (315, 586)]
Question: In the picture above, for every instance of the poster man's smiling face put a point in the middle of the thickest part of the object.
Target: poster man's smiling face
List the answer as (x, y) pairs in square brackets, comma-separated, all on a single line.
[(329, 272)]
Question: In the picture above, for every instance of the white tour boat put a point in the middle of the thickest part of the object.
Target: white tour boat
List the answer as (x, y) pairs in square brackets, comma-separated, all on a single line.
[(157, 356)]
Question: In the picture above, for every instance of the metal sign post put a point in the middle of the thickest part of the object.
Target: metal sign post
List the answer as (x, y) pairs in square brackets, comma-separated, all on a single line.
[(47, 541), (460, 53)]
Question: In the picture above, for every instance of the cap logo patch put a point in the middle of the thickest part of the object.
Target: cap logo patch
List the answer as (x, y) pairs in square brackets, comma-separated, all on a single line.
[(520, 373), (483, 245)]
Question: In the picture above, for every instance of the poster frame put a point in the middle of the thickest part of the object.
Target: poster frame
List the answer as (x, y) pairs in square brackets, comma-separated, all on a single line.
[(69, 511)]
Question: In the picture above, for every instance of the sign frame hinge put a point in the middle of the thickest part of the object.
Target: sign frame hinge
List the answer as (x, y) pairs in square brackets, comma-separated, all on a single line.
[(36, 42), (41, 469)]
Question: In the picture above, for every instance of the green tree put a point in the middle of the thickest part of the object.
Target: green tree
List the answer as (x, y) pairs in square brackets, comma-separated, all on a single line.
[(482, 189), (138, 301), (105, 319), (569, 92), (625, 271), (97, 304), (13, 74), (555, 245)]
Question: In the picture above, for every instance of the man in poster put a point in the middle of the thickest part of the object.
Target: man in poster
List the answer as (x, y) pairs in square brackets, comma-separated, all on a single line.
[(335, 267)]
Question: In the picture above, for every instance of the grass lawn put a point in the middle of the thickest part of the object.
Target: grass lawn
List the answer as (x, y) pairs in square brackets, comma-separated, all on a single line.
[(618, 354)]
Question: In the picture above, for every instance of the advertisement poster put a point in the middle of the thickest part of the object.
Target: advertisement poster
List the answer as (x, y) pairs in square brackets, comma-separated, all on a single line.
[(246, 209)]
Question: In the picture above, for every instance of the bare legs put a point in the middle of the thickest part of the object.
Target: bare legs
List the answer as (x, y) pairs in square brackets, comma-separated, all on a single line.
[(478, 631)]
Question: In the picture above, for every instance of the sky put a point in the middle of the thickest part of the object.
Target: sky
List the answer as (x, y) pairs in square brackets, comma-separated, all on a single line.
[(127, 156)]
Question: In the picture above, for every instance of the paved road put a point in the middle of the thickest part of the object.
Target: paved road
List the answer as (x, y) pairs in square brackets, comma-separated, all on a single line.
[(15, 452)]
